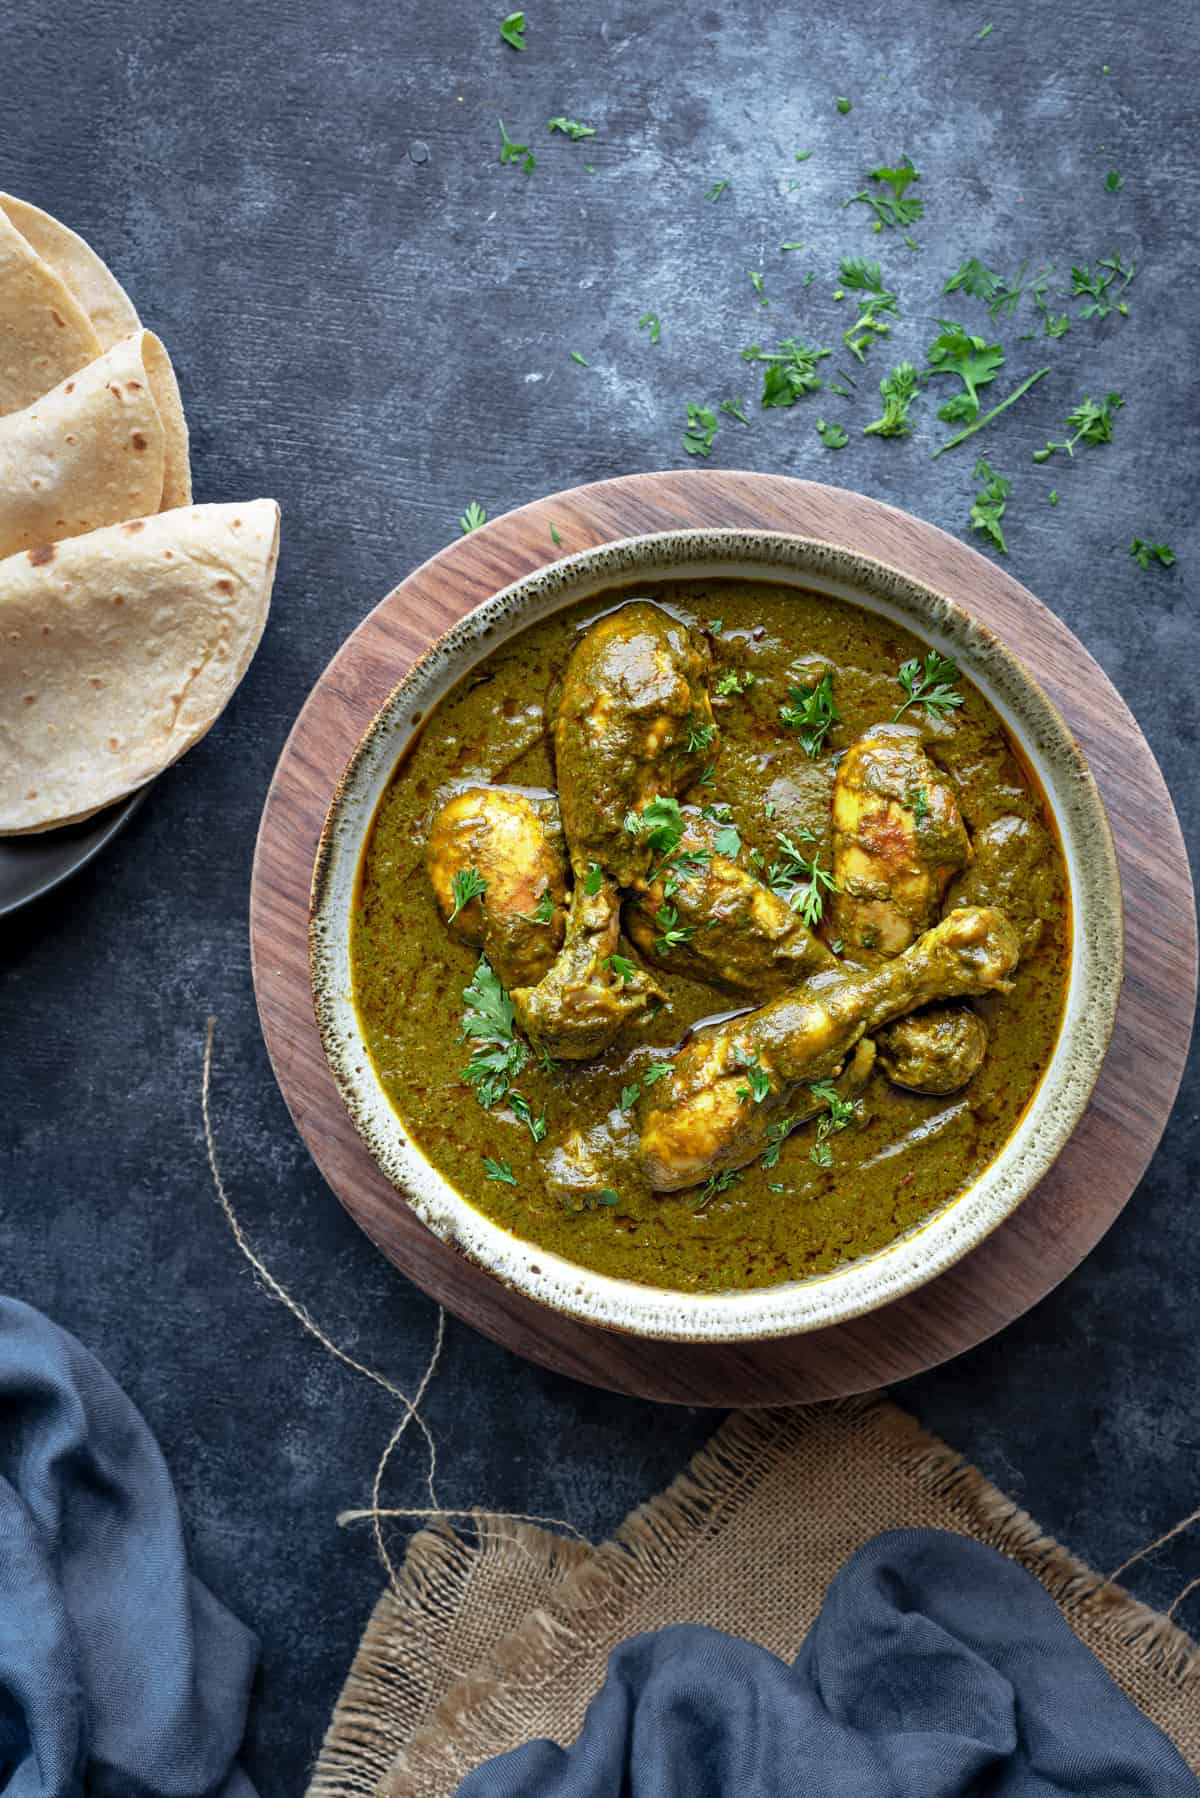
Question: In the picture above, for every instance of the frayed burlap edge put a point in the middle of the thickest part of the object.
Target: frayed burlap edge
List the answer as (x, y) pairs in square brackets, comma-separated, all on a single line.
[(390, 1691), (387, 1722)]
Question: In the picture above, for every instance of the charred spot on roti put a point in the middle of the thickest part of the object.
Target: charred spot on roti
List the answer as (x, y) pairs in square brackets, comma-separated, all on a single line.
[(58, 318), (135, 524), (29, 698), (70, 387), (134, 386), (114, 743), (118, 599), (44, 552), (224, 586), (138, 441)]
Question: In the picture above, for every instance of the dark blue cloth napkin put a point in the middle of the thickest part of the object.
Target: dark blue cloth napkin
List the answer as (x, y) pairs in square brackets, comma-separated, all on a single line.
[(936, 1669), (120, 1675)]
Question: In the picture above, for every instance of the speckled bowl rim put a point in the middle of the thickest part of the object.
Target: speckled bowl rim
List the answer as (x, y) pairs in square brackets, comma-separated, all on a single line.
[(661, 1313)]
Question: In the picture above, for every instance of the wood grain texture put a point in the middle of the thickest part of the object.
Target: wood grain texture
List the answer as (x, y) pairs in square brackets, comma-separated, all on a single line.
[(1056, 1226)]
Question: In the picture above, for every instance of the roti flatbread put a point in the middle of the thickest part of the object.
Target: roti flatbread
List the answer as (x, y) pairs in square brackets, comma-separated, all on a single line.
[(108, 306), (120, 649), (108, 443), (60, 307)]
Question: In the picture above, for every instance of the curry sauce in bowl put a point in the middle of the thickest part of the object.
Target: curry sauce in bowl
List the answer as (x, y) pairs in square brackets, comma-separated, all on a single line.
[(716, 935)]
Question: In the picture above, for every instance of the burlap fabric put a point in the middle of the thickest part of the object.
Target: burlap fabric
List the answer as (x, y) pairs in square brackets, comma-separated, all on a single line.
[(491, 1642)]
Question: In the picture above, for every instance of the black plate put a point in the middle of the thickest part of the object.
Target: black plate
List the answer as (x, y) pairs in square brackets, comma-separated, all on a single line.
[(31, 866)]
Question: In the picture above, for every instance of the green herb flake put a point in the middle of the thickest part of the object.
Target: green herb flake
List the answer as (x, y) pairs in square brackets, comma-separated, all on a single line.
[(800, 879), (803, 156), (572, 128), (582, 360), (1113, 182), (467, 884), (514, 152), (700, 431), (499, 1170), (554, 537), (896, 208), (543, 912), (593, 880), (734, 409), (713, 1187), (472, 518), (1091, 421), (671, 933), (990, 503), (1095, 286), (1052, 496), (812, 713), (931, 686), (657, 1070), (1144, 553), (972, 361), (793, 246), (789, 372), (727, 842), (978, 425), (843, 105), (621, 966), (716, 190), (630, 1096), (651, 322), (497, 1052), (898, 391), (756, 282), (513, 30), (986, 32), (833, 436), (876, 310)]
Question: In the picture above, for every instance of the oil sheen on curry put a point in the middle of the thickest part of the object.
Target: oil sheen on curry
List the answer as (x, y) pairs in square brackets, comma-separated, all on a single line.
[(712, 935)]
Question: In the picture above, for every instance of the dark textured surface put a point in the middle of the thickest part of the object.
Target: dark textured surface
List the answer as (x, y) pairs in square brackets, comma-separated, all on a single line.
[(377, 340)]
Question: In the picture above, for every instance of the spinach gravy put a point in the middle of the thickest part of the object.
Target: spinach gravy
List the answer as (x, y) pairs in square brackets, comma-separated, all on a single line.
[(752, 960)]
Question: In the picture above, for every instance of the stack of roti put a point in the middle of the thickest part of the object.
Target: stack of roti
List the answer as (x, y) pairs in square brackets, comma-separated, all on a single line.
[(128, 615)]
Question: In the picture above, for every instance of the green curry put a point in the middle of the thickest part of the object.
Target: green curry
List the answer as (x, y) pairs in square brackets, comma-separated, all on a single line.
[(868, 918)]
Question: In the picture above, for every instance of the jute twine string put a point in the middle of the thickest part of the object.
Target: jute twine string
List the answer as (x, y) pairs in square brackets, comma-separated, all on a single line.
[(411, 1407), (376, 1514)]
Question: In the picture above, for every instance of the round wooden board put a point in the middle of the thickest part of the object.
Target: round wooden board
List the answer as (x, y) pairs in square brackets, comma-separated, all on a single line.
[(1056, 1226)]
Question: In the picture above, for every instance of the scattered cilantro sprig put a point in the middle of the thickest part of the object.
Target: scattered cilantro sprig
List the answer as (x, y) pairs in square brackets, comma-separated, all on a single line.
[(931, 686), (1091, 421), (990, 503)]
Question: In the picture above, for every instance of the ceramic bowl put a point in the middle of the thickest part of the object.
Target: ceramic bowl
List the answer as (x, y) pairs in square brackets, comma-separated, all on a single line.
[(1096, 957)]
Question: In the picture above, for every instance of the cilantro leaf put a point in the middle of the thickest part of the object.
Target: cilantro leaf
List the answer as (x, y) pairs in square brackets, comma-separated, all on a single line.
[(790, 371), (930, 686), (898, 390), (756, 282), (671, 932), (1113, 182), (1091, 421), (1144, 553), (513, 152), (657, 1070), (957, 352), (978, 423), (498, 1054), (467, 884), (572, 128), (716, 1183), (700, 431), (833, 436), (716, 190), (513, 30), (800, 880), (843, 105), (499, 1170), (593, 880), (895, 209), (990, 503), (734, 410), (727, 842), (472, 518), (621, 966), (875, 311), (630, 1096), (651, 322), (1096, 287), (812, 713), (974, 278)]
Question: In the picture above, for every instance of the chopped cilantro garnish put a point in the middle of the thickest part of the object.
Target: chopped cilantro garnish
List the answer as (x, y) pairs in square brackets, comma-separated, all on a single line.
[(657, 1070), (593, 880), (790, 371), (833, 436), (572, 128), (543, 913), (621, 966), (1144, 553), (651, 322), (700, 431), (843, 104), (467, 884), (472, 518), (895, 209), (499, 1170), (716, 190), (979, 423), (512, 152), (990, 503), (974, 362), (735, 411), (1091, 421), (812, 713), (1100, 300), (930, 686), (1113, 182), (800, 880), (898, 390), (727, 842), (630, 1096), (715, 1184), (671, 933), (498, 1053), (554, 536), (875, 311), (582, 360), (513, 30)]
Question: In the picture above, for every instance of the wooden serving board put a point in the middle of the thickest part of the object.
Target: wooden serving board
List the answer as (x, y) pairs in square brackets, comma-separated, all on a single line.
[(1056, 1226)]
